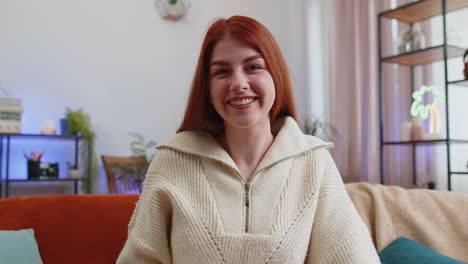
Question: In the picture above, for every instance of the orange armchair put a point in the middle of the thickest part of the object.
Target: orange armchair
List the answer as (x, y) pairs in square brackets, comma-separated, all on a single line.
[(72, 228)]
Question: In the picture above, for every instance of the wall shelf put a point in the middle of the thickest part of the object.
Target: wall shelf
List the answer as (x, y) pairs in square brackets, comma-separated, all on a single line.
[(423, 9), (47, 180), (42, 136), (426, 142), (459, 82), (5, 174), (425, 56)]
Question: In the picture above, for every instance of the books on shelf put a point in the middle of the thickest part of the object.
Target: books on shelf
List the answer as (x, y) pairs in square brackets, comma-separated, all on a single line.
[(10, 115)]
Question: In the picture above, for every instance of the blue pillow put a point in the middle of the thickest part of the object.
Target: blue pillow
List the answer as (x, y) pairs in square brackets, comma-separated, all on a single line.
[(405, 250), (19, 247)]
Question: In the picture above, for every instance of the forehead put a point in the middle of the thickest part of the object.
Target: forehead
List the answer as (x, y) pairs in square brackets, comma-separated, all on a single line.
[(229, 48)]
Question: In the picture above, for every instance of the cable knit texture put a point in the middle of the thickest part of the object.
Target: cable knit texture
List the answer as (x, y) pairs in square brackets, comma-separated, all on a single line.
[(196, 207)]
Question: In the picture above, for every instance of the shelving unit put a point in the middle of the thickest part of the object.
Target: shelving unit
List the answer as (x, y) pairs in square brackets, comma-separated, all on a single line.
[(421, 142), (424, 9), (416, 12), (425, 56), (5, 147)]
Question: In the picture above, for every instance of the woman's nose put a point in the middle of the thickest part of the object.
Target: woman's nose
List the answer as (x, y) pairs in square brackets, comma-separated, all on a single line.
[(239, 81)]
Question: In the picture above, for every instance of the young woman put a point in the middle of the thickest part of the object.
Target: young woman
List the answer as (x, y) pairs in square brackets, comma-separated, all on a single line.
[(240, 182)]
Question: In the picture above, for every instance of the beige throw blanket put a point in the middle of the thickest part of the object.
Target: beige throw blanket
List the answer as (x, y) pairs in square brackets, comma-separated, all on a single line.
[(437, 219)]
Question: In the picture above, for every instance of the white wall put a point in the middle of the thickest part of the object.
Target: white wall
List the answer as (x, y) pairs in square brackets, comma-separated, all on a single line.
[(123, 64), (316, 39)]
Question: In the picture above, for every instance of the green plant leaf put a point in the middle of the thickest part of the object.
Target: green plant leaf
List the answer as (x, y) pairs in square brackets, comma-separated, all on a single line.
[(79, 123), (318, 128)]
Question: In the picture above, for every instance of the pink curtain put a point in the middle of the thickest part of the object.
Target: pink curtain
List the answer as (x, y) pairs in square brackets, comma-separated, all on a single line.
[(354, 93), (353, 55)]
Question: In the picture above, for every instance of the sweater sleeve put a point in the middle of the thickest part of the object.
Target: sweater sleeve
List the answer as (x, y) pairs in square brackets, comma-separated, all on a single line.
[(149, 228), (338, 235)]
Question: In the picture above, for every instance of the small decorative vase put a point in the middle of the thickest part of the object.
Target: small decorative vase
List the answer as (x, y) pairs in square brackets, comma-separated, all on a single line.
[(73, 174), (417, 130), (64, 127), (405, 131), (411, 40), (174, 10), (48, 128), (431, 186)]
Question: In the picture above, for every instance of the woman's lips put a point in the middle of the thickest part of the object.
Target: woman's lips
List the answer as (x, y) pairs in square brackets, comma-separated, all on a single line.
[(242, 103)]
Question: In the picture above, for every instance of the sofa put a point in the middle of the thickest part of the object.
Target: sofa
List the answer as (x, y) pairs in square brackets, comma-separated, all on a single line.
[(93, 228)]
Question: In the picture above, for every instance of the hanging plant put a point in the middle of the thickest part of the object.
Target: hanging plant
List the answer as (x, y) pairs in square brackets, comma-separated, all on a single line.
[(172, 9), (79, 123)]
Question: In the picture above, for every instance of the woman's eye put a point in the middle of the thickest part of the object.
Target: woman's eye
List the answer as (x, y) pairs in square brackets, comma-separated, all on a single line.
[(254, 67), (220, 72)]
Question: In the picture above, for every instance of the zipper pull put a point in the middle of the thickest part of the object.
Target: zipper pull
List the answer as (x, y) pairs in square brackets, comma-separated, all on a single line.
[(247, 188), (247, 205)]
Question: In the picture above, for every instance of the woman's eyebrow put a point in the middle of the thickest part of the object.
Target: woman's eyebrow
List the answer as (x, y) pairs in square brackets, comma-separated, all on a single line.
[(218, 62), (221, 62), (254, 57)]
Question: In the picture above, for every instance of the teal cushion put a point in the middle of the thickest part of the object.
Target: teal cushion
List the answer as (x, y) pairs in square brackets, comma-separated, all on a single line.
[(19, 247), (405, 250)]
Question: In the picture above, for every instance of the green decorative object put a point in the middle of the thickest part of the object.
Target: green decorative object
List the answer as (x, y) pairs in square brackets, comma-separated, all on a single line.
[(418, 109), (79, 123), (404, 250)]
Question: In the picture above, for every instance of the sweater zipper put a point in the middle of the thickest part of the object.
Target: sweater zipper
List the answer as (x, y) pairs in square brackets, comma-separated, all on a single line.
[(247, 206)]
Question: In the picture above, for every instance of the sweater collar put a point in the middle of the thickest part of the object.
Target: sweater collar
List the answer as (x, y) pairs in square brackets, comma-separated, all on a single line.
[(289, 142)]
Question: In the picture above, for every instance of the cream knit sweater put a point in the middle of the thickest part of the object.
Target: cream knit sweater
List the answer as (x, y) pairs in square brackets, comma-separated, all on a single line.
[(197, 208)]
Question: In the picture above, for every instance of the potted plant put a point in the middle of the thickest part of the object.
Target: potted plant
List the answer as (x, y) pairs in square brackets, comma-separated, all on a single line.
[(432, 179), (171, 9), (174, 9), (73, 172), (319, 128), (139, 146), (79, 124), (431, 185)]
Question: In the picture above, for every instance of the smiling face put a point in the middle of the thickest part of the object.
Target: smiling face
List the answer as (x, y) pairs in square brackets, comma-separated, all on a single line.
[(241, 88)]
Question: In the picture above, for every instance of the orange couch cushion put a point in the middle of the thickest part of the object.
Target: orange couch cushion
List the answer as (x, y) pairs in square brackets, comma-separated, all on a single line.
[(72, 228)]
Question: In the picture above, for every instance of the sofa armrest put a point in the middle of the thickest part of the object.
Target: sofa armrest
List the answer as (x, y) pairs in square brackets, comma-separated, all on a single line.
[(72, 228)]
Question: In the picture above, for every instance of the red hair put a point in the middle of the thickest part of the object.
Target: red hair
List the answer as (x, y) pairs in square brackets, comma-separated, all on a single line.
[(200, 111)]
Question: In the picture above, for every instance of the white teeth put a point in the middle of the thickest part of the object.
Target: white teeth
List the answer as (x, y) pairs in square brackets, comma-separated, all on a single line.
[(241, 102)]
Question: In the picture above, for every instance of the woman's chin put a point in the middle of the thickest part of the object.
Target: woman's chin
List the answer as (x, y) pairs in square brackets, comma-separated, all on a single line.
[(245, 123)]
